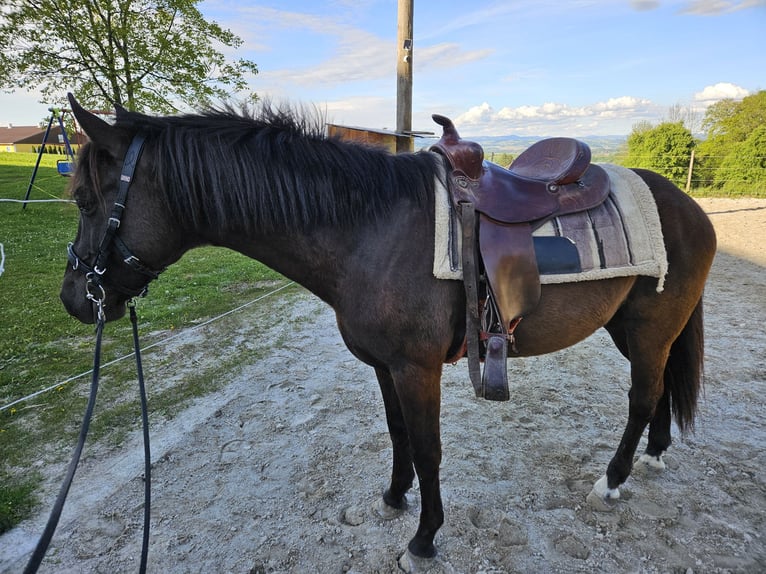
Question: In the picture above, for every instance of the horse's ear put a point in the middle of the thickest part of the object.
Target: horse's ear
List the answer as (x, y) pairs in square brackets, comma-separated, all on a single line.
[(119, 111), (100, 132)]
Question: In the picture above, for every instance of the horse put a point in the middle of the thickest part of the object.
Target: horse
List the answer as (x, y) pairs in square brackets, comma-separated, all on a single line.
[(354, 225)]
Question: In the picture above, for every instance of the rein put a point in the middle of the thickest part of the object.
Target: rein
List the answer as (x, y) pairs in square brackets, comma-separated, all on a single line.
[(96, 293)]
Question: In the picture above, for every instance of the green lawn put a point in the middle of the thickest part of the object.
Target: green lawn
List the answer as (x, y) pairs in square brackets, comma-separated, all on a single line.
[(40, 345)]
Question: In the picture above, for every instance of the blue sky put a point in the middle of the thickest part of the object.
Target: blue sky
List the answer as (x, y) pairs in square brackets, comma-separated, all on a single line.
[(497, 67)]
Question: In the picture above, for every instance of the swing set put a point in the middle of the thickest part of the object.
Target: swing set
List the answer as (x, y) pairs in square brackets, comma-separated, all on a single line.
[(65, 166)]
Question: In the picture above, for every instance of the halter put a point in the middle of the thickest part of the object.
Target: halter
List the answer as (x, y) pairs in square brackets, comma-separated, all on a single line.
[(95, 277), (95, 273)]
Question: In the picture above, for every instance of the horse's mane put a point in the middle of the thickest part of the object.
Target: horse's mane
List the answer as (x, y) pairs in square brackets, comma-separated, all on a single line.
[(273, 170)]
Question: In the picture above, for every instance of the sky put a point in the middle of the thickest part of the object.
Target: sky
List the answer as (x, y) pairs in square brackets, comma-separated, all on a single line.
[(496, 67)]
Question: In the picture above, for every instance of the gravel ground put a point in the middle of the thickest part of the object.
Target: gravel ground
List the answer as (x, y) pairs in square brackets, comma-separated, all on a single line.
[(281, 470)]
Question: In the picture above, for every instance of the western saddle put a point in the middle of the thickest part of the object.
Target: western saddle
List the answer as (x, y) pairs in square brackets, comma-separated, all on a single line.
[(552, 177)]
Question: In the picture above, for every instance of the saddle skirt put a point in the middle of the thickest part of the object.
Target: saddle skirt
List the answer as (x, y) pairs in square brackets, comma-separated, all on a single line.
[(621, 237)]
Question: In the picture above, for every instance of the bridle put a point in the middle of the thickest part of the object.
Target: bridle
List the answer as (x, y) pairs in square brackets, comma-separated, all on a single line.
[(95, 292), (95, 273)]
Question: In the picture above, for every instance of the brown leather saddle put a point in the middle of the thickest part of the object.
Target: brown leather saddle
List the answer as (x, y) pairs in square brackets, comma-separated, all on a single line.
[(552, 177)]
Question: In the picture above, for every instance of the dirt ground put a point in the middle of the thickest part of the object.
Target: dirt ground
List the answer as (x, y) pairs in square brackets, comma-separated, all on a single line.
[(281, 471)]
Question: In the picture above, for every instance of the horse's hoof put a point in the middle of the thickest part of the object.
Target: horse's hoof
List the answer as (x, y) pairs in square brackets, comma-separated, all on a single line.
[(601, 497), (385, 511), (652, 461), (412, 564)]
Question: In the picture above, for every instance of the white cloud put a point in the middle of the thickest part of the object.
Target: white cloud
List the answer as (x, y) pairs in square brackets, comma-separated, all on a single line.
[(613, 116), (475, 16), (356, 55), (272, 18), (553, 111), (622, 103), (361, 111), (22, 108), (476, 115), (360, 56), (720, 91), (446, 55), (715, 7), (644, 5)]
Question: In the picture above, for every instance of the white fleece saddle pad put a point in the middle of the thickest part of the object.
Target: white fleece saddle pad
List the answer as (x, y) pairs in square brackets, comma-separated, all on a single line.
[(620, 238)]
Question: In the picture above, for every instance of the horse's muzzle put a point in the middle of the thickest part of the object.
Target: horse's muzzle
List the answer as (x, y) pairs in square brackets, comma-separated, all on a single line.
[(74, 297)]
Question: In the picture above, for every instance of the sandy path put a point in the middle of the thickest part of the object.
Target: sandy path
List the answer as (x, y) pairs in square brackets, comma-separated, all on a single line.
[(280, 471)]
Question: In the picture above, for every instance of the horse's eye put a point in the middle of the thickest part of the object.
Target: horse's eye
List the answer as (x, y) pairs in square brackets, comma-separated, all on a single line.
[(86, 207), (84, 203)]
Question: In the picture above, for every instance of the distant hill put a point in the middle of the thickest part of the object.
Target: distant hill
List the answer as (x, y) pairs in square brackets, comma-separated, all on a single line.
[(602, 147)]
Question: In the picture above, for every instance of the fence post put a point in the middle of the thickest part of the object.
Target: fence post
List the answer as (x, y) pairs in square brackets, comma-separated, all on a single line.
[(689, 177)]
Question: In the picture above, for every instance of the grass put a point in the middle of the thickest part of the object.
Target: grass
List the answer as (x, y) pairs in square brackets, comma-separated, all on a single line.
[(17, 500), (40, 345), (739, 192)]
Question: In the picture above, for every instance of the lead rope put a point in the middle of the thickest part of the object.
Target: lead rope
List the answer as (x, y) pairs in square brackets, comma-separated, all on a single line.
[(45, 540), (147, 450), (58, 506)]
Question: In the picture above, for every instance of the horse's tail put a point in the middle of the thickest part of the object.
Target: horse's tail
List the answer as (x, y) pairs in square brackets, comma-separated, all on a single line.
[(683, 371)]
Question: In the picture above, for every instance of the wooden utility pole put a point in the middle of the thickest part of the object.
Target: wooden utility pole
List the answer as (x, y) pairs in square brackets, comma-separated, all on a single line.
[(689, 177), (404, 70)]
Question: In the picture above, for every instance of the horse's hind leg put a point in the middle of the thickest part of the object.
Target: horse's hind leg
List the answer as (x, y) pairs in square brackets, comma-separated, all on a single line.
[(659, 426), (659, 434), (682, 382), (645, 393), (662, 333), (403, 471), (666, 371), (638, 337)]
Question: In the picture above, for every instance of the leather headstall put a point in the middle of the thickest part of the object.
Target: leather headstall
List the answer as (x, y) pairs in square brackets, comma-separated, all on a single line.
[(96, 274)]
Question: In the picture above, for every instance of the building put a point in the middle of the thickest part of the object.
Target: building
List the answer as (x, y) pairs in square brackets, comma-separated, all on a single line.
[(392, 141), (30, 138)]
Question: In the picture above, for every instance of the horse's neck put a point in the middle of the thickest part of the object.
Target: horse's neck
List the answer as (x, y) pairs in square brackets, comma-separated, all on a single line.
[(314, 260), (329, 261)]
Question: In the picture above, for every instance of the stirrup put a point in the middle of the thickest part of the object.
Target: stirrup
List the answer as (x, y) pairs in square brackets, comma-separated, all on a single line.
[(494, 379)]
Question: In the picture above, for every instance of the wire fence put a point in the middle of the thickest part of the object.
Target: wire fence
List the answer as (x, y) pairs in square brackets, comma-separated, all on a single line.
[(4, 200), (148, 347)]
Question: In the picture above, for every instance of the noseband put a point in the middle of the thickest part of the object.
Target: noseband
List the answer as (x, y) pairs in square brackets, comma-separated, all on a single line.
[(95, 274)]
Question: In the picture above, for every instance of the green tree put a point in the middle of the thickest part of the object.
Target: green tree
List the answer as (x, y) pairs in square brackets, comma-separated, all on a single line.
[(500, 158), (743, 170), (153, 55), (728, 124), (665, 148), (736, 120)]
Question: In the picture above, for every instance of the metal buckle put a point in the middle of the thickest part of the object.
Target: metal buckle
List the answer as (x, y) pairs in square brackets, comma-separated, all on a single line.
[(90, 283), (72, 256)]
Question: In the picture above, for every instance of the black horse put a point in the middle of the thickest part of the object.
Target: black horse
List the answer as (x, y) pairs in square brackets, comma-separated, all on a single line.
[(354, 225)]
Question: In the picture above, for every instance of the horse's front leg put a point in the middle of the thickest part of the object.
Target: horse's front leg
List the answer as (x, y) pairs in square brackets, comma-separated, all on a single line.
[(420, 397), (413, 395), (403, 471)]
